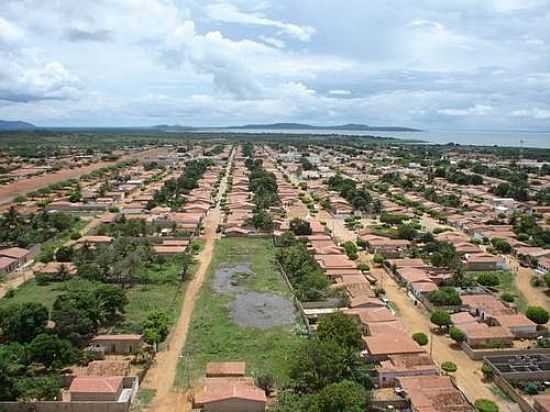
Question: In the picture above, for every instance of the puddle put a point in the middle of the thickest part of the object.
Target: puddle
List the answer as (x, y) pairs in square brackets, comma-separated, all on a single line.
[(248, 308)]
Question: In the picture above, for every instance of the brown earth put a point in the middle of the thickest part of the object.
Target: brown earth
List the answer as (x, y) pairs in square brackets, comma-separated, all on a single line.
[(21, 187)]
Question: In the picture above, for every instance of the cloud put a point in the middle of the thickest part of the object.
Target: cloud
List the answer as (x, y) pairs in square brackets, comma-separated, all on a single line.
[(229, 13), (9, 33), (272, 41), (52, 81), (78, 35), (339, 92), (477, 110), (534, 113)]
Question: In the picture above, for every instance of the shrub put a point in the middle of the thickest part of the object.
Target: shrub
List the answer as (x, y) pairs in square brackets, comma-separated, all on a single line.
[(488, 279), (378, 259), (487, 371), (485, 405), (449, 367), (456, 334), (420, 338), (537, 314), (508, 297), (266, 382), (440, 318)]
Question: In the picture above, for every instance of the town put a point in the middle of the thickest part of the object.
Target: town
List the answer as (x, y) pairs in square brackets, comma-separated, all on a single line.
[(240, 272)]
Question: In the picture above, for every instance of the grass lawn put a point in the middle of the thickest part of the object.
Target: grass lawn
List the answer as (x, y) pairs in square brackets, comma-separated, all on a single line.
[(213, 336), (164, 293), (507, 284)]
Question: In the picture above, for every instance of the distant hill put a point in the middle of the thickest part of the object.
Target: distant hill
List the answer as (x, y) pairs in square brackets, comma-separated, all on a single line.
[(172, 128), (8, 125), (344, 127)]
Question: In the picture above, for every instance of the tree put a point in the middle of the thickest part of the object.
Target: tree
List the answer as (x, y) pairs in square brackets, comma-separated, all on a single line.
[(440, 318), (378, 259), (187, 260), (13, 360), (341, 329), (64, 254), (350, 249), (445, 296), (22, 322), (300, 227), (406, 231), (266, 382), (547, 279), (489, 279), (156, 327), (71, 321), (485, 405), (420, 338), (50, 350), (345, 396), (501, 245), (42, 388), (456, 334), (537, 314), (317, 364)]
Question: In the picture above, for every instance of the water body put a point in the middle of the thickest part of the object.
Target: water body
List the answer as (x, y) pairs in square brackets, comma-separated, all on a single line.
[(463, 137)]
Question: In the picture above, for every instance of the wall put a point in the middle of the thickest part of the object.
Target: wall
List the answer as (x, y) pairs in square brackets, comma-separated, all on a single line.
[(479, 354), (509, 390), (52, 406)]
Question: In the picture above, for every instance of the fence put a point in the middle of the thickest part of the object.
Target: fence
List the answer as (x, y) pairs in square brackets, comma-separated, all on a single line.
[(479, 354)]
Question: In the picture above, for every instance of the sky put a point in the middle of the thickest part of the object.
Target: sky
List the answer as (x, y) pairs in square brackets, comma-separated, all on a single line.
[(468, 64)]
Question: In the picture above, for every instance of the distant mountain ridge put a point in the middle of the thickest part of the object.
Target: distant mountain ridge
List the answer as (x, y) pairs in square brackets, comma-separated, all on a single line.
[(15, 125), (343, 127), (172, 128)]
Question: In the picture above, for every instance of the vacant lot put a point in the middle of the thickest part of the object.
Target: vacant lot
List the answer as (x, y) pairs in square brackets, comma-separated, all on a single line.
[(244, 312), (507, 284), (163, 293)]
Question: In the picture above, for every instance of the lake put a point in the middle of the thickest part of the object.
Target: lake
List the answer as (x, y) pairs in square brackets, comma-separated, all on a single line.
[(463, 137)]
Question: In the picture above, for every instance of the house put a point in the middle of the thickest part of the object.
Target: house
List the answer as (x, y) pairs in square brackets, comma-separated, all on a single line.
[(225, 369), (519, 324), (7, 265), (483, 262), (380, 347), (404, 365), (434, 394), (238, 394), (479, 335), (390, 248), (169, 250), (544, 264), (54, 268), (20, 255), (485, 306), (95, 240), (118, 344), (96, 388)]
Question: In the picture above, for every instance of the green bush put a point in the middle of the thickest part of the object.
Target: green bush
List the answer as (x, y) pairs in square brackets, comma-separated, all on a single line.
[(488, 279), (508, 297), (420, 338), (449, 367), (485, 405)]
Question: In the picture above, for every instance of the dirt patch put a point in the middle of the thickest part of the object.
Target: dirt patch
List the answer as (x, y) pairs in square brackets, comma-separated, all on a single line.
[(251, 309), (262, 310)]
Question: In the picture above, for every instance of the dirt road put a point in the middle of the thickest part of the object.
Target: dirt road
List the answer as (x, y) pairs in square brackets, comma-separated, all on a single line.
[(468, 375), (21, 187), (161, 376), (535, 296)]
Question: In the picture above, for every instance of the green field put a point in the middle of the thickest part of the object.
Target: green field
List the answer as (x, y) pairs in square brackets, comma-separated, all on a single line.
[(164, 292), (213, 336)]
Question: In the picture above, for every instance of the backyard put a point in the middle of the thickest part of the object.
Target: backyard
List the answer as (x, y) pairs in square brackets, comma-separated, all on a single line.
[(244, 312)]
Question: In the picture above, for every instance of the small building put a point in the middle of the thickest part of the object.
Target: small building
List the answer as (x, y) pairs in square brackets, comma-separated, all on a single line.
[(519, 324), (7, 265), (404, 365), (381, 347), (21, 255), (225, 369), (96, 388), (118, 344)]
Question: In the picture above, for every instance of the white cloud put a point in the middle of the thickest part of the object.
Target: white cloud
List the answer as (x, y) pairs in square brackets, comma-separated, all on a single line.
[(272, 41), (229, 13), (477, 110), (339, 92), (534, 113), (9, 33)]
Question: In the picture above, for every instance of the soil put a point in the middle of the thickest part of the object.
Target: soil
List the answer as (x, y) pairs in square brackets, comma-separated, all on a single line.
[(23, 186), (262, 310)]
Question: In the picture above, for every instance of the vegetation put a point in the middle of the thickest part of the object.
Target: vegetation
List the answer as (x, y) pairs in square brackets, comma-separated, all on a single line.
[(485, 405), (420, 338), (537, 314)]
